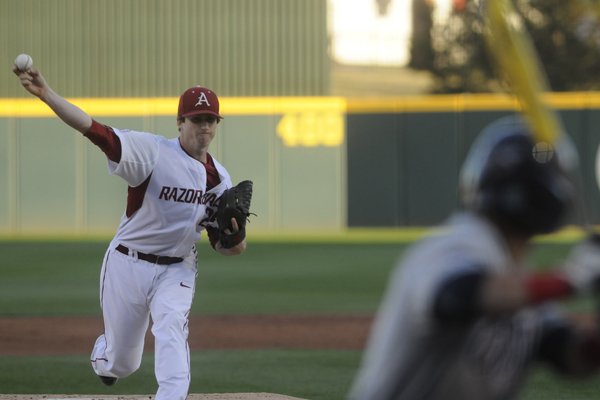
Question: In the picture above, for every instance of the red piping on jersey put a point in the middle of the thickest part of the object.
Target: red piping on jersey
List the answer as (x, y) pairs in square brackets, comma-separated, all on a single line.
[(135, 197), (212, 180)]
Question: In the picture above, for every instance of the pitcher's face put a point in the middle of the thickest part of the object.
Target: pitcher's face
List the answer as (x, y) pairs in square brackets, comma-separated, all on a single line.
[(199, 129)]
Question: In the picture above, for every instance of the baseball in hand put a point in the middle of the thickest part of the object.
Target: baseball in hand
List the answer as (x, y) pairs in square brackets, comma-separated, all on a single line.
[(23, 62)]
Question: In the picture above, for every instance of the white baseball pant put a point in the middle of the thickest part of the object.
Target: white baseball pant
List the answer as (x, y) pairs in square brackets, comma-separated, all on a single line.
[(131, 292)]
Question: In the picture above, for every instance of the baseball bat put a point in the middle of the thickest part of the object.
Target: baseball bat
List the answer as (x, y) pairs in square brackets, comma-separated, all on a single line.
[(516, 60)]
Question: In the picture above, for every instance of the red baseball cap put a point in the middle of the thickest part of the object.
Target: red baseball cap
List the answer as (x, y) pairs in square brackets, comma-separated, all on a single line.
[(198, 100)]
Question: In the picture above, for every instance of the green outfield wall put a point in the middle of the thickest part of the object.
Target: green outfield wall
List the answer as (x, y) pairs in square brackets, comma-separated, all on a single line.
[(404, 155), (319, 164)]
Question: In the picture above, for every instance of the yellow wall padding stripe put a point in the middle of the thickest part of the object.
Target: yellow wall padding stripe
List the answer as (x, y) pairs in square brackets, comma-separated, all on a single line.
[(167, 106)]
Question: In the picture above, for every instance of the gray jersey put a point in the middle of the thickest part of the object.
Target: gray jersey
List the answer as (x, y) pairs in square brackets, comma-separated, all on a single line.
[(410, 355)]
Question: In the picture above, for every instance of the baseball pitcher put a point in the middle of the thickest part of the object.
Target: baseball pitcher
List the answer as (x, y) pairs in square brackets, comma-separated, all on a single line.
[(176, 191)]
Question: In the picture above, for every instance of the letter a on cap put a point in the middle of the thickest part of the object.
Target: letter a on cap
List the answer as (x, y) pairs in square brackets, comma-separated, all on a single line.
[(202, 99)]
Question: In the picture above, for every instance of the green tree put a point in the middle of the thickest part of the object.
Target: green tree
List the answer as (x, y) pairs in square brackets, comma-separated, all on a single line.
[(566, 35), (460, 60)]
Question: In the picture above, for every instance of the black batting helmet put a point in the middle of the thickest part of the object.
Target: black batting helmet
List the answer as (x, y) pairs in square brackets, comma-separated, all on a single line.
[(521, 184)]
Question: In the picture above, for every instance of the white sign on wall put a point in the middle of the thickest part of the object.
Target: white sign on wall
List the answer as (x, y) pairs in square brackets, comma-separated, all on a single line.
[(360, 35)]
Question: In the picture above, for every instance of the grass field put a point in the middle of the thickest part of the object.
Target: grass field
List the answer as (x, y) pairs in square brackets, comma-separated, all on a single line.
[(61, 278)]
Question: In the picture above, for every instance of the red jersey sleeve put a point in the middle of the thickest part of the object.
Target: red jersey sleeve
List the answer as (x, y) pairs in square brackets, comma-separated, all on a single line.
[(106, 139)]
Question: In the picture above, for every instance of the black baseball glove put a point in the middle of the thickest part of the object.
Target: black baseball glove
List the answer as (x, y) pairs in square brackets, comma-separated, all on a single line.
[(234, 203)]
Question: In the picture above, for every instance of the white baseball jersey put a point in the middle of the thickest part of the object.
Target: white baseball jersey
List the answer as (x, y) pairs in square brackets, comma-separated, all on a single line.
[(411, 355), (168, 205), (175, 205)]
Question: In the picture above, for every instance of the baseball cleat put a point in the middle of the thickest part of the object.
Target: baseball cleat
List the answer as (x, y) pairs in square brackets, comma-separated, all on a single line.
[(108, 380)]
